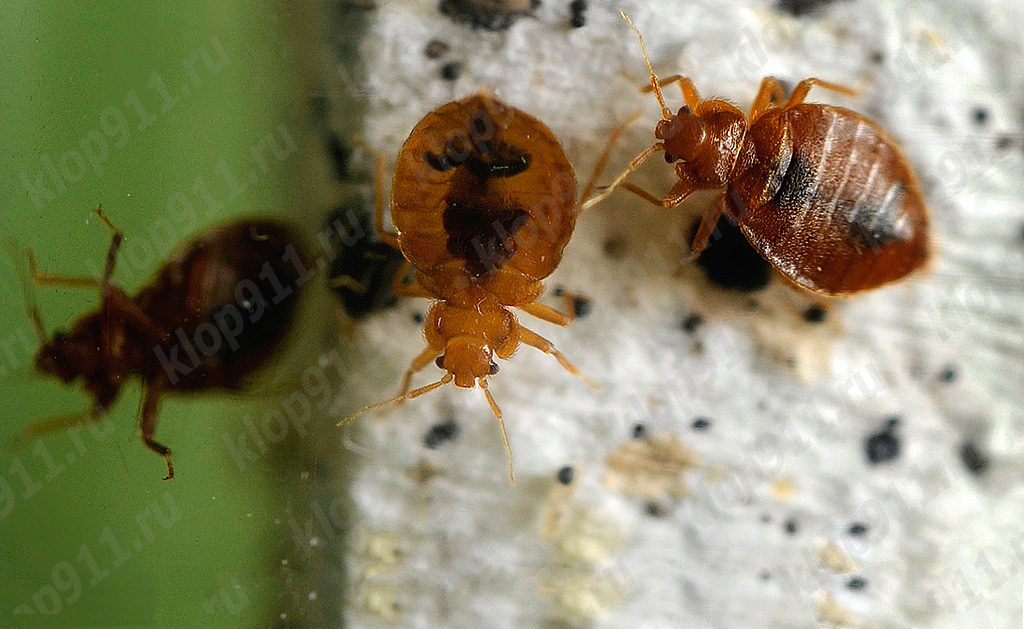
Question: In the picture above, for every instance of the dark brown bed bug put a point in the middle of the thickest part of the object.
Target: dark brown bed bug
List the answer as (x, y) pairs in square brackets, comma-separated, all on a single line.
[(821, 192), (483, 203), (215, 312)]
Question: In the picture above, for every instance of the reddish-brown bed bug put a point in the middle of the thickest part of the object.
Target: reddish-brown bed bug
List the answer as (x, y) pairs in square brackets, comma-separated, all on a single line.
[(822, 192), (215, 312), (483, 202)]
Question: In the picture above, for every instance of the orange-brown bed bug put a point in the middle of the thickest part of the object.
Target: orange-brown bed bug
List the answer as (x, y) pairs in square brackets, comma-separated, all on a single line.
[(483, 202), (215, 312), (821, 192)]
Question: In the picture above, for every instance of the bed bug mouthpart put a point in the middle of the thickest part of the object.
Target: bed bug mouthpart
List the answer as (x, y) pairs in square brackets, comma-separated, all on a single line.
[(483, 202), (821, 192), (214, 313)]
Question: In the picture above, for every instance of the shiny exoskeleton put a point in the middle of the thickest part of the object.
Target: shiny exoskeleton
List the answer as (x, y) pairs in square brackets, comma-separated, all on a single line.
[(483, 203), (215, 312), (822, 192)]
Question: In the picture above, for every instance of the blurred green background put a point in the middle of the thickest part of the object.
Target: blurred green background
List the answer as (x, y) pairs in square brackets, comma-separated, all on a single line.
[(153, 110)]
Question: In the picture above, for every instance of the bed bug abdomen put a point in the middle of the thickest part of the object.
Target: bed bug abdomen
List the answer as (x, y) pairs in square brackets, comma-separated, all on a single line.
[(843, 212), (484, 185)]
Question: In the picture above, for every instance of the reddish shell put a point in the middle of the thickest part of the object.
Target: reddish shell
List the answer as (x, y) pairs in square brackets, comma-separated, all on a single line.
[(838, 210)]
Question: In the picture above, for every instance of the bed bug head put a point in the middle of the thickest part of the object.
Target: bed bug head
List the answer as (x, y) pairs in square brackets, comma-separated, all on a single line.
[(467, 359), (62, 356), (69, 355), (683, 135)]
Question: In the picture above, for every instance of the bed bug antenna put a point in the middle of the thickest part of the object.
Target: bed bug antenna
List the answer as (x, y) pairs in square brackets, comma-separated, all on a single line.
[(398, 398), (655, 84), (504, 434)]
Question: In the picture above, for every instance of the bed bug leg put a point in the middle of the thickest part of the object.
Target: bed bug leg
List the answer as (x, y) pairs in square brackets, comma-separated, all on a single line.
[(690, 94), (613, 139), (380, 167), (801, 89), (549, 314), (501, 424), (706, 229), (416, 365), (49, 279), (682, 189), (35, 317), (398, 398), (59, 423), (533, 339), (636, 163), (770, 93), (401, 288), (115, 244), (147, 425)]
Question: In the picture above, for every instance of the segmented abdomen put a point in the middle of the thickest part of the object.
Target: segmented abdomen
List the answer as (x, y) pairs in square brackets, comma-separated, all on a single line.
[(847, 214)]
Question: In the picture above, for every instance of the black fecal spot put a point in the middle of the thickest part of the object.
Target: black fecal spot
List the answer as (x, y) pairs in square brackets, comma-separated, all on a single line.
[(730, 261), (766, 518), (1004, 142), (339, 155), (973, 458), (491, 15), (581, 307), (791, 526), (980, 116), (435, 49), (615, 247), (701, 423), (417, 317), (691, 323), (800, 8), (363, 267), (451, 71), (884, 445), (440, 433), (639, 431), (655, 509), (765, 575), (578, 9), (948, 373), (482, 235), (815, 314), (566, 475), (858, 529), (857, 583), (877, 57)]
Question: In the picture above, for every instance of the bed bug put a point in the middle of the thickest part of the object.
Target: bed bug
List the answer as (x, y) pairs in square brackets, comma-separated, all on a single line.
[(483, 202), (213, 314), (821, 192)]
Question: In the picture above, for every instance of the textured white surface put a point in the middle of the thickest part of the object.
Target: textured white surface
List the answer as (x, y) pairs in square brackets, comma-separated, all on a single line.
[(791, 403)]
